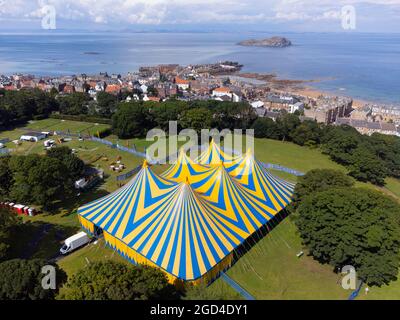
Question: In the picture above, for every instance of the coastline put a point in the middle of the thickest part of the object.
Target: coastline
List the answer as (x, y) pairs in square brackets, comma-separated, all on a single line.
[(312, 92), (299, 87)]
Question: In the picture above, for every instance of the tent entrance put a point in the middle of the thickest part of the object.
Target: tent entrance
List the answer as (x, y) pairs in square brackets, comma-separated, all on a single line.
[(97, 231)]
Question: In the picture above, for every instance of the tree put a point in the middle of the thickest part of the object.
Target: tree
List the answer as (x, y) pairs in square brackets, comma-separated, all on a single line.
[(106, 103), (75, 166), (8, 221), (74, 104), (110, 280), (152, 91), (39, 180), (197, 119), (20, 106), (22, 280), (231, 115), (131, 120), (386, 148), (365, 166), (266, 128), (5, 177), (307, 133), (357, 227), (166, 111), (287, 124), (339, 142), (318, 180)]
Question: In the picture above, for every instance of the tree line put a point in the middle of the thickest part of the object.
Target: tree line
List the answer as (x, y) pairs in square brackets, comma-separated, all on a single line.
[(18, 107), (40, 179), (368, 158), (135, 119), (344, 225)]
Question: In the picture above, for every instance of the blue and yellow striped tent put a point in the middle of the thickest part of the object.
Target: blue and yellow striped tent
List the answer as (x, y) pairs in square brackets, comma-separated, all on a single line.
[(189, 220)]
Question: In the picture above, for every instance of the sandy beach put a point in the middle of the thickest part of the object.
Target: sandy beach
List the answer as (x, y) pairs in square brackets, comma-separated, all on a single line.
[(314, 93)]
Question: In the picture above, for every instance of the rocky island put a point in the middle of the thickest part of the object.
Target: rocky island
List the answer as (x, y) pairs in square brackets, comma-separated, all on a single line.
[(274, 42)]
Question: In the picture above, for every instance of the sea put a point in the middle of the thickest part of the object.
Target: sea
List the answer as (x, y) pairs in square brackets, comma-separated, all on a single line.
[(364, 66)]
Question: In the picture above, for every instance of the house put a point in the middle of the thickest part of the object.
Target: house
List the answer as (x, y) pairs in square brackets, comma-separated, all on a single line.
[(100, 86), (272, 115), (10, 88), (367, 127), (143, 88), (68, 89), (236, 97), (279, 102), (182, 84), (33, 136), (113, 89), (361, 113), (328, 109), (223, 98), (261, 112), (222, 91), (257, 104), (298, 106)]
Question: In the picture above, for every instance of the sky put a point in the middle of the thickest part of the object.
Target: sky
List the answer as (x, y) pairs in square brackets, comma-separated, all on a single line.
[(201, 15)]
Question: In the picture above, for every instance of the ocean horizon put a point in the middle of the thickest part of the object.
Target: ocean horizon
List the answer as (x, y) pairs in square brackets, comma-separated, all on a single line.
[(363, 66)]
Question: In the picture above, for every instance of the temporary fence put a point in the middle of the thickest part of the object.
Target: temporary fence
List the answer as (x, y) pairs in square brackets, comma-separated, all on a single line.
[(143, 155), (129, 174), (236, 287), (119, 147), (282, 168), (4, 152)]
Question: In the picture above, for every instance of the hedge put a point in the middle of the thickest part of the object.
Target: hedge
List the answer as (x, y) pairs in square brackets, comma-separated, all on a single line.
[(84, 118)]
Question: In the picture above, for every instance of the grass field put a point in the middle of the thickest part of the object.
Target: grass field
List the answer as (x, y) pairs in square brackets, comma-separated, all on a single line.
[(269, 270), (74, 127)]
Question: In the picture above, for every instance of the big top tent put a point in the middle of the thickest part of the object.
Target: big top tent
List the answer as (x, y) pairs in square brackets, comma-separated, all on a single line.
[(189, 220)]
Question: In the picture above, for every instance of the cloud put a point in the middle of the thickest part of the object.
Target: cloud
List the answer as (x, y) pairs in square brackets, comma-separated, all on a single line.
[(153, 12)]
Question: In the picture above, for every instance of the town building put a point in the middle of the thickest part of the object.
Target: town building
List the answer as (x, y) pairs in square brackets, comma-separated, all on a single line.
[(328, 109), (368, 128)]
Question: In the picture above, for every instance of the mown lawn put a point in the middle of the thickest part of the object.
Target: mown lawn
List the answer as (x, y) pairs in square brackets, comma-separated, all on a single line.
[(74, 127), (271, 269)]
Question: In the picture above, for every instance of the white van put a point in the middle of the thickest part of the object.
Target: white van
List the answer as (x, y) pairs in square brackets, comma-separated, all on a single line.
[(76, 241)]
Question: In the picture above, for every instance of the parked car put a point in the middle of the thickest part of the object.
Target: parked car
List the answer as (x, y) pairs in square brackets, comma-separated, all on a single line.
[(76, 241)]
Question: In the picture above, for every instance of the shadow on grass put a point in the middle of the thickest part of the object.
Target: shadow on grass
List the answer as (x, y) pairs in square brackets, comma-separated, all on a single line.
[(72, 203), (257, 236), (37, 240)]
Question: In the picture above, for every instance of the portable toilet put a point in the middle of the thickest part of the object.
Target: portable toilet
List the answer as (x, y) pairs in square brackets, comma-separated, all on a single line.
[(19, 208), (31, 212)]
